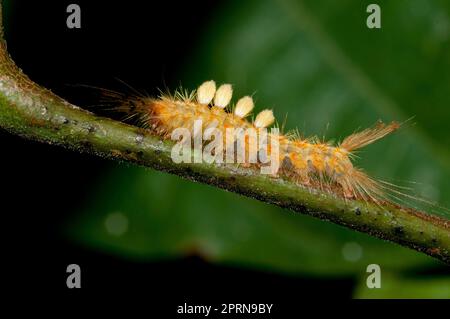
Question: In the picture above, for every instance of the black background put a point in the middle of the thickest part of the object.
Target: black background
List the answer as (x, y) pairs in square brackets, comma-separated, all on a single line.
[(143, 43)]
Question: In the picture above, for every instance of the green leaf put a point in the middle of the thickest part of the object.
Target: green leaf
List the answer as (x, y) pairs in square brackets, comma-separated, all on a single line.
[(147, 215), (321, 65), (405, 288)]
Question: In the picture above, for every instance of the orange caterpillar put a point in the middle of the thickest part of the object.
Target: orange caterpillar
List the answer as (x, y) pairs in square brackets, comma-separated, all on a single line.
[(306, 161)]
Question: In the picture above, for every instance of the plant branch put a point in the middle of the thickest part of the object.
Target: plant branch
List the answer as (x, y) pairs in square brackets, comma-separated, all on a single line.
[(31, 111)]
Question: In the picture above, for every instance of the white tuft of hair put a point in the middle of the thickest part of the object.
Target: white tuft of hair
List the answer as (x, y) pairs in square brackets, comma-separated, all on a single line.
[(223, 95), (264, 119), (206, 91), (244, 106)]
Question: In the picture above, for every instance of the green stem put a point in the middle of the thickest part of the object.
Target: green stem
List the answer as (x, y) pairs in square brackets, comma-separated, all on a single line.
[(28, 110)]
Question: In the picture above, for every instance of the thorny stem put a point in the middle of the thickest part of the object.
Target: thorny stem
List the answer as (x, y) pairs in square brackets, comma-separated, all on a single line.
[(31, 111)]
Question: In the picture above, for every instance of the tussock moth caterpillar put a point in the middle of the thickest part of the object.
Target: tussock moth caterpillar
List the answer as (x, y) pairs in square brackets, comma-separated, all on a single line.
[(308, 162)]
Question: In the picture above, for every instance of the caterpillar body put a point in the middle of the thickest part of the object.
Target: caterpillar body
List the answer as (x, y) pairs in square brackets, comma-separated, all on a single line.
[(306, 161)]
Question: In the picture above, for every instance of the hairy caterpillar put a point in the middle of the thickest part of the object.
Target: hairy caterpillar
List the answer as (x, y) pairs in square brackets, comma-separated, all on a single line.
[(306, 161)]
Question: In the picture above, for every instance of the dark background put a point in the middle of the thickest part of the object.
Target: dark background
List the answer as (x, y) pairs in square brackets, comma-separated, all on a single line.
[(44, 185)]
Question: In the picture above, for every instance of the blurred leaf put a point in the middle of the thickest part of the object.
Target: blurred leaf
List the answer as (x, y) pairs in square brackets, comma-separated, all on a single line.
[(406, 288), (320, 64), (148, 215)]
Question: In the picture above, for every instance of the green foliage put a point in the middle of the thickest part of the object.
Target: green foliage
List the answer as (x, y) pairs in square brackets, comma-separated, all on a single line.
[(167, 217), (400, 287), (318, 62)]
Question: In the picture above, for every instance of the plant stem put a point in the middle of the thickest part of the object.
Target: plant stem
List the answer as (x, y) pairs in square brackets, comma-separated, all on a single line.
[(28, 110)]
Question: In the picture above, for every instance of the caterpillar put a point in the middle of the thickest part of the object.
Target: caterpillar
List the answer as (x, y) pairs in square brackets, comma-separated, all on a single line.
[(308, 162)]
